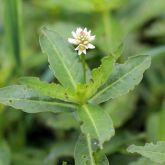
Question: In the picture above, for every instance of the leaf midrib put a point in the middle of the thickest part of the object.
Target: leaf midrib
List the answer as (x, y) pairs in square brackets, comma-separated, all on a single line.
[(65, 67), (125, 75), (90, 149), (92, 121), (39, 101)]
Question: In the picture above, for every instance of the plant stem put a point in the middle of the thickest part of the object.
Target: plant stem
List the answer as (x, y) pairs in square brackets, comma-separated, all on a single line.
[(84, 66)]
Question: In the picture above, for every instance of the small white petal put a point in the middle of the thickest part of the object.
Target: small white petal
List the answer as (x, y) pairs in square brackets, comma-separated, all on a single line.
[(84, 51), (78, 30), (79, 52), (90, 46), (77, 48), (89, 33), (85, 30), (92, 38), (74, 34), (72, 41)]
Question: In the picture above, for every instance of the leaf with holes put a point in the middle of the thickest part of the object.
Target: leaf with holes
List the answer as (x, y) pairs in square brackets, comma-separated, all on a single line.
[(96, 123), (85, 152)]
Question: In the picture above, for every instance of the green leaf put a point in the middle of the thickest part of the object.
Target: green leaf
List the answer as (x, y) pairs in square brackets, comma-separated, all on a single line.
[(121, 109), (96, 123), (144, 161), (21, 97), (64, 63), (124, 78), (85, 153), (156, 52), (5, 156), (64, 28), (100, 75), (156, 30), (155, 152), (52, 90), (13, 23)]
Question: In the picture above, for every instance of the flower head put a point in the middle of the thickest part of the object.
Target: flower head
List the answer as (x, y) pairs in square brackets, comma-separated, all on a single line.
[(82, 39)]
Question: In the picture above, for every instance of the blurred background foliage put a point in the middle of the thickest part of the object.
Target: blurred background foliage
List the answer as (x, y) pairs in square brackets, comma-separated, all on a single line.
[(136, 25)]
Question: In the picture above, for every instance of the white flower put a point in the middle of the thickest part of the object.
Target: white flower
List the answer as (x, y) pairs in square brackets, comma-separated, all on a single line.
[(82, 39)]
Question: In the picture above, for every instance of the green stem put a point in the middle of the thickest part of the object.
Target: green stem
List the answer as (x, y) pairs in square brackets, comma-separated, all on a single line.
[(84, 66)]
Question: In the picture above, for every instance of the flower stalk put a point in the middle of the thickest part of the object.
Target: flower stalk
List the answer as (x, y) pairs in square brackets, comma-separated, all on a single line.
[(84, 66)]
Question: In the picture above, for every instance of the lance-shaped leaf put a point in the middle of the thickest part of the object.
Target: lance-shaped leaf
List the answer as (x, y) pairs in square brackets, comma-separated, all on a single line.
[(144, 161), (21, 97), (155, 152), (13, 28), (96, 123), (100, 75), (52, 90), (124, 78), (85, 152), (64, 63)]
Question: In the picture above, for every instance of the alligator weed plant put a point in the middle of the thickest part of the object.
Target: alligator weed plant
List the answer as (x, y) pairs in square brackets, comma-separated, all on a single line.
[(80, 90)]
